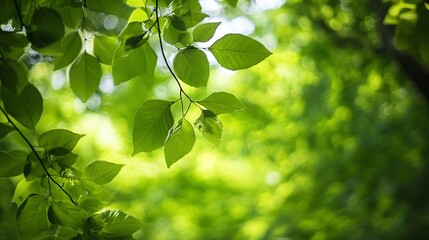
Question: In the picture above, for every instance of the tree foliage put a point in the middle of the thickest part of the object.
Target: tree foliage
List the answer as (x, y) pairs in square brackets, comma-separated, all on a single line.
[(57, 199)]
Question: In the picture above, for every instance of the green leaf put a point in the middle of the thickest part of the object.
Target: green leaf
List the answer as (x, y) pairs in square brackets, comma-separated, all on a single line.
[(72, 13), (46, 27), (180, 142), (131, 30), (192, 67), (26, 188), (59, 141), (12, 44), (210, 126), (236, 51), (12, 164), (189, 11), (205, 31), (26, 107), (138, 63), (70, 46), (104, 48), (151, 124), (221, 102), (8, 11), (135, 42), (5, 130), (233, 3), (113, 7), (32, 218), (91, 205), (101, 172), (66, 214), (67, 160), (117, 224), (85, 75), (174, 34), (13, 75)]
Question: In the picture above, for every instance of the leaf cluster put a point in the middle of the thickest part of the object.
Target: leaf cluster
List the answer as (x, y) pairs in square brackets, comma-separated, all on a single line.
[(55, 198)]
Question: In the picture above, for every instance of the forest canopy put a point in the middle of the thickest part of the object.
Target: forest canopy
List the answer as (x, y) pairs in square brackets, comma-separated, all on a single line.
[(187, 119)]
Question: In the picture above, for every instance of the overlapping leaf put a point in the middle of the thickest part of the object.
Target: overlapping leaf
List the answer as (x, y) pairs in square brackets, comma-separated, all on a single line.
[(25, 107), (59, 141), (152, 122), (180, 142), (210, 126)]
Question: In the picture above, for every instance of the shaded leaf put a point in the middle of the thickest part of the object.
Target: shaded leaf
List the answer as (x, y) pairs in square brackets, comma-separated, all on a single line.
[(85, 75), (59, 141), (32, 218), (221, 102), (13, 75), (151, 125), (101, 172), (117, 224), (204, 32), (24, 188), (180, 142), (5, 129), (210, 126), (26, 108), (66, 214), (236, 51), (192, 67), (46, 27), (12, 163)]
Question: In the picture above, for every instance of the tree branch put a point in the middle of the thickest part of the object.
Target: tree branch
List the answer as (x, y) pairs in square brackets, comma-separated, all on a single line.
[(37, 155)]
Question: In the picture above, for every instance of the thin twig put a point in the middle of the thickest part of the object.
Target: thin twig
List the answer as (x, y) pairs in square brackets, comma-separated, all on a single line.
[(37, 155), (19, 15), (165, 58)]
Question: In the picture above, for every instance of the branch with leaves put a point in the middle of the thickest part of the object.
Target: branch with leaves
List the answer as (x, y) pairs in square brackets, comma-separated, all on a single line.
[(72, 33)]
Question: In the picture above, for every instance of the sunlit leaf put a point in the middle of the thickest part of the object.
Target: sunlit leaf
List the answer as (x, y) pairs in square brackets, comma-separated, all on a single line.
[(26, 107), (180, 141), (192, 67), (59, 141), (104, 48), (46, 27), (138, 63), (210, 126), (32, 217), (67, 214), (117, 224), (101, 172), (221, 102), (204, 32), (70, 46), (151, 125), (12, 164), (24, 188), (236, 51), (85, 75)]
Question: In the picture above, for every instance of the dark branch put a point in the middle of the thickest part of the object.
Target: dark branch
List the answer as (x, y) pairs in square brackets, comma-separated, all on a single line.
[(37, 155)]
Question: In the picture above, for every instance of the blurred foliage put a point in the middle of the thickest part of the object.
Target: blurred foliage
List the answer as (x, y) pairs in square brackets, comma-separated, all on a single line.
[(333, 143)]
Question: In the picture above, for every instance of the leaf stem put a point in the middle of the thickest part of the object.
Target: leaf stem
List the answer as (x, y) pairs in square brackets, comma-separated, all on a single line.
[(165, 58), (37, 155), (19, 15)]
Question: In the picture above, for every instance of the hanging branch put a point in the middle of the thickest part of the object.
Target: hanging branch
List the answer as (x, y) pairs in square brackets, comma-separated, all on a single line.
[(37, 155), (166, 61)]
